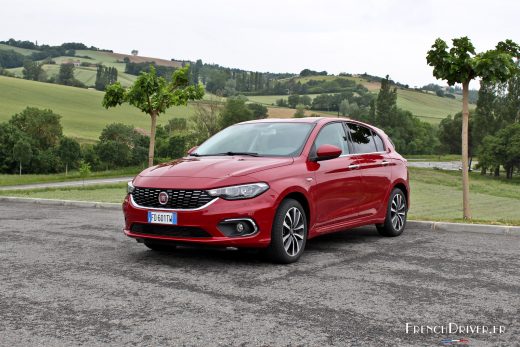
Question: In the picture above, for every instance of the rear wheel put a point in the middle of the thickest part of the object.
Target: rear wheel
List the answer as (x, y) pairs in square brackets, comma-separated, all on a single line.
[(160, 246), (289, 233), (397, 210)]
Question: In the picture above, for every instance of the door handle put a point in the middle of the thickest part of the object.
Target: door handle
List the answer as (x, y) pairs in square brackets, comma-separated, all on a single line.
[(353, 167), (385, 162)]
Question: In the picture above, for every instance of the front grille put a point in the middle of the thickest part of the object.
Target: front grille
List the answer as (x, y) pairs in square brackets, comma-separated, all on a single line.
[(177, 199), (169, 230)]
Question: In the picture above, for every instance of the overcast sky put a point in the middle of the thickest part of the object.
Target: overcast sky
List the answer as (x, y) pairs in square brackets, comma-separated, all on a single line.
[(377, 37)]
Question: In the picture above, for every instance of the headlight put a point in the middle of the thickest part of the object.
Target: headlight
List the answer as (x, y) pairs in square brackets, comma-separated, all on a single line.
[(130, 188), (245, 191)]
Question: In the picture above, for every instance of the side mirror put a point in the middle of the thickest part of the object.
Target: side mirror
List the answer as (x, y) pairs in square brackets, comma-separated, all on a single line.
[(192, 149), (326, 152)]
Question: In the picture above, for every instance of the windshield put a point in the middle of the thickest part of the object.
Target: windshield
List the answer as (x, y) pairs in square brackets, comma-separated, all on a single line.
[(258, 139)]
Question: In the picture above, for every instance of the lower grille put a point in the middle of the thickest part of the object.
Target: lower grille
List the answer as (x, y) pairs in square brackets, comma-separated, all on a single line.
[(169, 230)]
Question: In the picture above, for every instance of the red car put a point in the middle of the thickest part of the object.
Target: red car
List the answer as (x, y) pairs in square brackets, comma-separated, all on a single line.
[(272, 184)]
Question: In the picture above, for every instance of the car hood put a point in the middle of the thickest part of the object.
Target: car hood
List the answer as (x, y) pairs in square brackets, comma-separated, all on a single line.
[(215, 167)]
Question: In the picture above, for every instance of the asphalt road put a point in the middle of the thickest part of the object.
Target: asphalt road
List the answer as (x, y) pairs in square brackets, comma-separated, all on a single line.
[(68, 276)]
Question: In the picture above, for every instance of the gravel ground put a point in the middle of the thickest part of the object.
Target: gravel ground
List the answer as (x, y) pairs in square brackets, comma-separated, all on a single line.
[(69, 277)]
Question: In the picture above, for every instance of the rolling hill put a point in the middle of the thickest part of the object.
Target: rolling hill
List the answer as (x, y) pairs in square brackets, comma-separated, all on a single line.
[(83, 117)]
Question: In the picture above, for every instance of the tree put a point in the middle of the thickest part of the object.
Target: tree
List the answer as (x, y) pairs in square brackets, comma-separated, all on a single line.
[(66, 75), (206, 119), (386, 104), (300, 111), (502, 149), (235, 111), (461, 64), (42, 126), (33, 71), (69, 152), (344, 107), (84, 170), (176, 124), (105, 76), (153, 95), (293, 100), (259, 111), (135, 52), (22, 152)]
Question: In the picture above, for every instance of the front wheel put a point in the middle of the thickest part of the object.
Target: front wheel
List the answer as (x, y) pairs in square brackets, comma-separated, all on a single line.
[(397, 210), (289, 233)]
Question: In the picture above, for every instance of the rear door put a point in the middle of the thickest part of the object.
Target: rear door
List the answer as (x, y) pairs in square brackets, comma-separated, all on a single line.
[(374, 168), (338, 187)]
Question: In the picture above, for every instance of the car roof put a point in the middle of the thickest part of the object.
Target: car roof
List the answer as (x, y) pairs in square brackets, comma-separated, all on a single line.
[(309, 120)]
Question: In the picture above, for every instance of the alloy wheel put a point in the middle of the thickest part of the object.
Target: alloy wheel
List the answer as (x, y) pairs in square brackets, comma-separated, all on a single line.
[(398, 212), (293, 232)]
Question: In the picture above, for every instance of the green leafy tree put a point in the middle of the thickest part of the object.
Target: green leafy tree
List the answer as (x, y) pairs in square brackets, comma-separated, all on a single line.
[(344, 107), (235, 111), (386, 104), (66, 75), (84, 170), (22, 152), (176, 124), (42, 126), (293, 100), (502, 149), (259, 111), (206, 119), (69, 152), (461, 64), (33, 71), (153, 95), (300, 111)]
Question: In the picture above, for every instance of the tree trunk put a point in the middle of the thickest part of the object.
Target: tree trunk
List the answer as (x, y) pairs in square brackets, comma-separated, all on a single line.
[(151, 149), (497, 171), (66, 169), (20, 168), (465, 166)]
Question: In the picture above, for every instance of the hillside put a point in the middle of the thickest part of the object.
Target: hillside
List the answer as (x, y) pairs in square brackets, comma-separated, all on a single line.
[(87, 74), (83, 117), (427, 106)]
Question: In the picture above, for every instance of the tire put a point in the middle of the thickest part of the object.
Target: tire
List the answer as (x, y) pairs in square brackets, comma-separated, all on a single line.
[(289, 233), (159, 246), (396, 213)]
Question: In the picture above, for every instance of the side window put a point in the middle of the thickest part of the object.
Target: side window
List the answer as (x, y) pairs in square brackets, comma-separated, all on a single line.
[(362, 139), (332, 134), (379, 143)]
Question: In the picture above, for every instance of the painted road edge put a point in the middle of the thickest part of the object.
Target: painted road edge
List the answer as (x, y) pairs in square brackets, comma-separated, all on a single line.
[(436, 226)]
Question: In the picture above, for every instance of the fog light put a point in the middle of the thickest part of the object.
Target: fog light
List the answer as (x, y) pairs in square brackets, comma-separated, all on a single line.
[(237, 227)]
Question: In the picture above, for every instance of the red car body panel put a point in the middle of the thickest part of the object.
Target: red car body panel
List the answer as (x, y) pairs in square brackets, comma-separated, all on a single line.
[(345, 192)]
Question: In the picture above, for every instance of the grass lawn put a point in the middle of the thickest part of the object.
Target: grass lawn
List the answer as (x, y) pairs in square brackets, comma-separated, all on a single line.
[(83, 117), (12, 180), (23, 51), (436, 195)]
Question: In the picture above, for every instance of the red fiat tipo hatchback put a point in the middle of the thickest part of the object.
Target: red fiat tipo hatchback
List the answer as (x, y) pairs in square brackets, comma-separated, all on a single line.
[(272, 184)]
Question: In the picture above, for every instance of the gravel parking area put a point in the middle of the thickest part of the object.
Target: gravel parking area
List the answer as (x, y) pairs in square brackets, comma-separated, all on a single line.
[(69, 276)]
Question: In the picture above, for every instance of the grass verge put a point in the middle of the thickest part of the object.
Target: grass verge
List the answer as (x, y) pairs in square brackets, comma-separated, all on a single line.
[(13, 180), (436, 195)]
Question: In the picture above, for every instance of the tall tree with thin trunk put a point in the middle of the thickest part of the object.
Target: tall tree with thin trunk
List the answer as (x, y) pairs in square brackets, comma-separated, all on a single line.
[(461, 64), (153, 95)]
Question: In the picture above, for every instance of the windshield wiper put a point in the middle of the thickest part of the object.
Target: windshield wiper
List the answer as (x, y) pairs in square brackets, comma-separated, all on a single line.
[(252, 154)]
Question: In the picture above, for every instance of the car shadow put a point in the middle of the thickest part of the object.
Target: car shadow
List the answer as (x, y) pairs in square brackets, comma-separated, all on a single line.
[(215, 255)]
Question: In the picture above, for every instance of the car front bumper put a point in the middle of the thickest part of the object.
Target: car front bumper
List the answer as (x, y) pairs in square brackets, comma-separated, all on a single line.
[(259, 210)]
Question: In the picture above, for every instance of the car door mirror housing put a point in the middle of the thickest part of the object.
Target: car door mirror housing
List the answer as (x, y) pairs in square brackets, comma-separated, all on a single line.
[(327, 152)]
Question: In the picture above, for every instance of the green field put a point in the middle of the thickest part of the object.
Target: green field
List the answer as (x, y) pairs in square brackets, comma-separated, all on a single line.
[(436, 195), (83, 117), (23, 51), (428, 107)]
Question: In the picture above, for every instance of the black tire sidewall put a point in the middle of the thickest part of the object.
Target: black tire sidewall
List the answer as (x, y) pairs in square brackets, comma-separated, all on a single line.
[(276, 250)]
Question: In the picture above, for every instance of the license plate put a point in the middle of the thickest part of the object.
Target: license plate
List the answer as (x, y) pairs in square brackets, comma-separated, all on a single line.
[(162, 217)]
